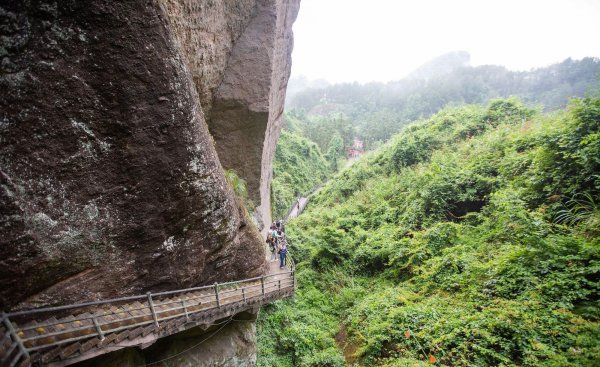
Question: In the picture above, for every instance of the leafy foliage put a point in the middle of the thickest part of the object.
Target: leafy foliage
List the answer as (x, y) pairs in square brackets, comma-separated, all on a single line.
[(237, 183), (299, 166), (376, 111), (335, 150), (449, 234)]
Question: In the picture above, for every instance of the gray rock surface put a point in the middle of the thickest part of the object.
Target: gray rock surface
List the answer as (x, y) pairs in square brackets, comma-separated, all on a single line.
[(248, 107), (110, 183), (232, 343)]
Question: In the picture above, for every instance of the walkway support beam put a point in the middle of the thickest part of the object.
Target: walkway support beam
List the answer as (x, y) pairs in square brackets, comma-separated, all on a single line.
[(151, 304), (217, 294)]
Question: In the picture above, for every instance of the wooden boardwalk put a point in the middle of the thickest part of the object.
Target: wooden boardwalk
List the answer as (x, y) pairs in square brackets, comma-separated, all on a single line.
[(60, 336)]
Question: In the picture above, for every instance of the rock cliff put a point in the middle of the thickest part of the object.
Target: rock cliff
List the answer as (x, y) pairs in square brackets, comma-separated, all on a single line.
[(117, 119), (231, 343)]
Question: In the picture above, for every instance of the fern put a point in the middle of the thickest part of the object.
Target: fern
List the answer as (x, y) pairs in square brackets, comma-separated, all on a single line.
[(580, 209)]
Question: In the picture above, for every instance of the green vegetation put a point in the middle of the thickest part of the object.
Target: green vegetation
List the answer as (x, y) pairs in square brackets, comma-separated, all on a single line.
[(376, 111), (469, 239), (333, 116), (298, 168), (238, 185)]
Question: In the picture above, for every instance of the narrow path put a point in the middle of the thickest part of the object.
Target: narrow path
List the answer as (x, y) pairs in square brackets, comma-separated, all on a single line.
[(298, 208)]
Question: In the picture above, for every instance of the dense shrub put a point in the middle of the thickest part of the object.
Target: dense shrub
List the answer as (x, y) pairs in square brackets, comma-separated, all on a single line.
[(444, 245), (299, 166)]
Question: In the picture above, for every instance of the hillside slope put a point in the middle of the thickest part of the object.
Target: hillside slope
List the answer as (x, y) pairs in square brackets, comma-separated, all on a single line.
[(299, 167), (470, 239)]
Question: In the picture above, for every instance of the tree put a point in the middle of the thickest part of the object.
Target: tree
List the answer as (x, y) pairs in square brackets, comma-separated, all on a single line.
[(335, 149)]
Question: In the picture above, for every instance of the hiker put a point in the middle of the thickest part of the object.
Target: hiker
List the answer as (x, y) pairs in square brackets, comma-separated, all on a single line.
[(272, 244), (282, 253), (275, 234), (273, 248), (272, 241)]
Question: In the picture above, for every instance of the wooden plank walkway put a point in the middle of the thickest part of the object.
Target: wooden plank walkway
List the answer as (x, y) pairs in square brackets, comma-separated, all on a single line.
[(60, 336)]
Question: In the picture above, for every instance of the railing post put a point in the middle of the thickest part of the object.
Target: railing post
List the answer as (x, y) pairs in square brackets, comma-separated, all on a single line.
[(187, 315), (244, 294), (151, 303), (217, 294), (98, 329), (14, 335), (262, 284)]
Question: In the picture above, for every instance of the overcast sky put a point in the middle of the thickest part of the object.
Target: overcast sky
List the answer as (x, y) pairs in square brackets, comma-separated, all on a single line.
[(382, 40)]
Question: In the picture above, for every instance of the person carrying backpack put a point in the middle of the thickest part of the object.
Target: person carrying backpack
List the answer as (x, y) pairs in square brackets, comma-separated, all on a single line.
[(272, 241), (282, 226)]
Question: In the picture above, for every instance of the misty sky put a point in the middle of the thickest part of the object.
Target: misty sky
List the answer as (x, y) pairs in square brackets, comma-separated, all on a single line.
[(365, 40)]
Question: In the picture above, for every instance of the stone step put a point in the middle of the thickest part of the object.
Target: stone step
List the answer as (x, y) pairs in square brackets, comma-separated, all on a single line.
[(148, 329), (135, 333), (121, 336), (68, 350), (26, 362), (89, 345), (50, 355)]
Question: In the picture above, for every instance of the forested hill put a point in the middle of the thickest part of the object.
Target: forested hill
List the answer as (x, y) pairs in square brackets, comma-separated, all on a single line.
[(469, 239), (379, 110), (334, 116)]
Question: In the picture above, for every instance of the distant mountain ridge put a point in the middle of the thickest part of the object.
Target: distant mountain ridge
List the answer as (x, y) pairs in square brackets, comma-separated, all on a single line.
[(441, 65), (378, 110), (551, 85), (298, 84)]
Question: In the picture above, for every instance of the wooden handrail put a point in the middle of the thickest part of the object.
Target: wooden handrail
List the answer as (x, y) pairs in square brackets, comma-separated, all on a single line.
[(87, 321)]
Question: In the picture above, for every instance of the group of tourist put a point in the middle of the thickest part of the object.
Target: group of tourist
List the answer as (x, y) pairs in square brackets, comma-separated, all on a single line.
[(277, 242)]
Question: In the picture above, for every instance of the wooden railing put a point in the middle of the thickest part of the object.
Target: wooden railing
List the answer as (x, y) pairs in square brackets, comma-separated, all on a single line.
[(72, 333)]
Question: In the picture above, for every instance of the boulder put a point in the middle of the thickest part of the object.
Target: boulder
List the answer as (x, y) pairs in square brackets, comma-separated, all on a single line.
[(110, 182)]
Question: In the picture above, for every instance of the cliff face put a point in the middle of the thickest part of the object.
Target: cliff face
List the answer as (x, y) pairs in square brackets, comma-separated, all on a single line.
[(248, 107), (232, 343), (110, 183), (239, 55)]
